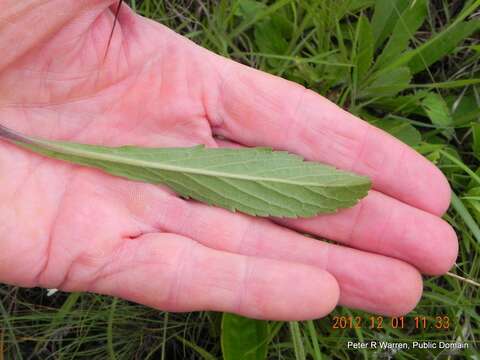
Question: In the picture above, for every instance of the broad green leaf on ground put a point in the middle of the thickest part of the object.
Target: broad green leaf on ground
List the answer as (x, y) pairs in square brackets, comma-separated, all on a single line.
[(261, 14), (408, 23), (364, 51), (248, 9), (271, 35), (402, 130), (465, 110), (385, 17), (388, 84), (243, 338), (438, 112), (256, 181), (405, 104)]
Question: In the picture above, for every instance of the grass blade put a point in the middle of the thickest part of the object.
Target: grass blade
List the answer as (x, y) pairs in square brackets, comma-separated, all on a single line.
[(317, 355), (204, 354), (460, 208), (297, 340), (111, 317), (5, 320)]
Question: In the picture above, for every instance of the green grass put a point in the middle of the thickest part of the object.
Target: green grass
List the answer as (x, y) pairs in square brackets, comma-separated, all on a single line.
[(411, 70)]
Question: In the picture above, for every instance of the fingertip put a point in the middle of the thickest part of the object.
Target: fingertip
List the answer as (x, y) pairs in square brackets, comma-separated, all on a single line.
[(426, 241), (317, 296), (421, 183), (329, 293), (378, 284), (408, 291), (440, 200), (445, 251), (298, 292)]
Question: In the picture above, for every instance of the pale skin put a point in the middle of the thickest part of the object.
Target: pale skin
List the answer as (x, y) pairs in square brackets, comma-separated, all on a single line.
[(77, 229)]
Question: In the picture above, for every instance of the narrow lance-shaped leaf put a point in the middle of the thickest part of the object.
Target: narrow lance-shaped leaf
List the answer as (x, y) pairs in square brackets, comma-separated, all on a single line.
[(364, 51), (385, 16), (404, 31), (256, 181), (387, 84)]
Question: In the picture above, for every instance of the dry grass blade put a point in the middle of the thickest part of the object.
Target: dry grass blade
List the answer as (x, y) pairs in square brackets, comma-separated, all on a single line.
[(117, 12)]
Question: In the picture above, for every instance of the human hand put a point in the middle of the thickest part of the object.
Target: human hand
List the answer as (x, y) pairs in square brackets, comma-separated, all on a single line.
[(78, 229)]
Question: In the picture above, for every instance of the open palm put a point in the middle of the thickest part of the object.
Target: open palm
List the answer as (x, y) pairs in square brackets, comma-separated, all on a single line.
[(73, 228)]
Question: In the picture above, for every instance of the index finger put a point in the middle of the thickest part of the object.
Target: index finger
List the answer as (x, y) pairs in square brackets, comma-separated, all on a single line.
[(258, 109)]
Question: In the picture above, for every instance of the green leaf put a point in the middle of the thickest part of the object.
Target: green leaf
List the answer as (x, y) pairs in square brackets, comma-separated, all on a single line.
[(465, 109), (247, 9), (441, 45), (256, 181), (263, 13), (409, 22), (271, 35), (364, 54), (402, 130), (405, 104), (385, 17), (352, 6), (437, 111), (244, 339), (435, 48), (388, 84)]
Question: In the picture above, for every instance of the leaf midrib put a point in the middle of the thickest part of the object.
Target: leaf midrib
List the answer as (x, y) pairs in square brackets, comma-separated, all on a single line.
[(52, 146)]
